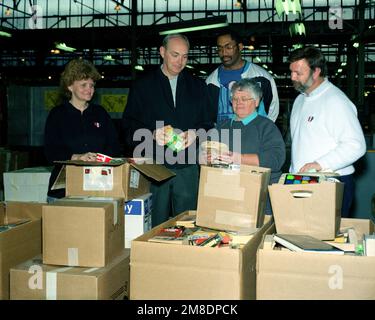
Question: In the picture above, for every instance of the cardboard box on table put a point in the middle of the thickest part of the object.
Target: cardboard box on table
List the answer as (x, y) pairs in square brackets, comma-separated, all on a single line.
[(85, 232), (21, 242), (182, 272), (33, 280), (28, 184), (120, 179), (232, 199), (284, 274), (137, 217), (310, 209)]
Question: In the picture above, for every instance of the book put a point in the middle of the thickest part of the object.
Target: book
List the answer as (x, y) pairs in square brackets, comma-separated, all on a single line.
[(305, 243), (187, 221), (212, 241), (170, 235), (242, 236)]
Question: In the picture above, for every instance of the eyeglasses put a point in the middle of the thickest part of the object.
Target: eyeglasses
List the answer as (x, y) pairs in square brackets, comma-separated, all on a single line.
[(228, 47), (242, 100)]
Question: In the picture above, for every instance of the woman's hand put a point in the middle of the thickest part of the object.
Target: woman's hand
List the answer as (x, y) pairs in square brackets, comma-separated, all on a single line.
[(230, 157), (89, 156)]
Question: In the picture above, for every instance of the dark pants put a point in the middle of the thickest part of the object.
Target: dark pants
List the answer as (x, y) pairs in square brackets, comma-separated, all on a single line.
[(175, 195), (348, 196)]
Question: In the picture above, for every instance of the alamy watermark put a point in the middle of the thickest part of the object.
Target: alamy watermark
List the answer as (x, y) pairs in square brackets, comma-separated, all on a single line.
[(336, 281), (335, 18), (149, 149), (36, 19)]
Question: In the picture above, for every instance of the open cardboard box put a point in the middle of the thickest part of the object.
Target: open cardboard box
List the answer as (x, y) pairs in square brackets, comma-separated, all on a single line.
[(284, 274), (182, 272), (119, 179)]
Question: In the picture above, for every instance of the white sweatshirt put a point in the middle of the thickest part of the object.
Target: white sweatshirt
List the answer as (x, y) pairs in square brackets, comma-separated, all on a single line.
[(325, 128)]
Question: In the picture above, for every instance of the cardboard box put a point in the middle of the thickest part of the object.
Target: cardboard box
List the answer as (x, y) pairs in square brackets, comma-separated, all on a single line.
[(124, 180), (182, 272), (317, 215), (33, 280), (232, 199), (86, 232), (298, 275), (19, 243), (29, 184), (137, 217)]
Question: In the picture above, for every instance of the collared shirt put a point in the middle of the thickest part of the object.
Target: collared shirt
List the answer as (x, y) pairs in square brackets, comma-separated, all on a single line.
[(173, 83), (246, 120)]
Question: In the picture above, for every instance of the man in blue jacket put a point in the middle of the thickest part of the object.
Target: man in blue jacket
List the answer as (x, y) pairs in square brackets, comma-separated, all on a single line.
[(235, 68)]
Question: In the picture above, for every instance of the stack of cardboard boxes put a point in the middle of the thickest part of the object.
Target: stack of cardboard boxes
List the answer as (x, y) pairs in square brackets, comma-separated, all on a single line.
[(228, 200), (20, 242), (83, 253), (108, 206), (84, 234), (313, 209)]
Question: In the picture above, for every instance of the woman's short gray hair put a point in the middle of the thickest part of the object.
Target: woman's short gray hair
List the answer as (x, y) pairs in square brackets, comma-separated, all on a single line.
[(249, 85)]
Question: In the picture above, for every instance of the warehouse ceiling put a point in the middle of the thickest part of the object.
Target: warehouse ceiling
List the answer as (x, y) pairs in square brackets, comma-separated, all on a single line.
[(120, 35)]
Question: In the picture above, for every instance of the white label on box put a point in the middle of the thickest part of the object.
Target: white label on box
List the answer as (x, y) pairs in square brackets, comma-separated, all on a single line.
[(134, 178), (97, 178)]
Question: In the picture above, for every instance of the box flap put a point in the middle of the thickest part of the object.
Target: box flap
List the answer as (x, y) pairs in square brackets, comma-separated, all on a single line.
[(2, 213), (232, 199), (60, 182), (115, 163), (155, 171)]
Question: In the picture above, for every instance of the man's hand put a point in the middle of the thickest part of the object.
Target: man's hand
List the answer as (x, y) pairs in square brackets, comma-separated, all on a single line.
[(310, 167), (162, 135), (189, 137)]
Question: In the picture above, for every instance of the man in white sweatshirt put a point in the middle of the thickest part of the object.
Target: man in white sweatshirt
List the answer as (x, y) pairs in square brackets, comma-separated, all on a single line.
[(326, 134)]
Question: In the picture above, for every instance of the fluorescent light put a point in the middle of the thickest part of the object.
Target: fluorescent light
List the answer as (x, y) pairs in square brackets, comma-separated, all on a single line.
[(287, 6), (64, 47), (190, 29), (257, 59), (138, 67), (356, 44), (202, 72), (195, 25), (264, 66), (108, 57), (343, 64), (297, 46), (339, 70), (5, 34), (189, 66)]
